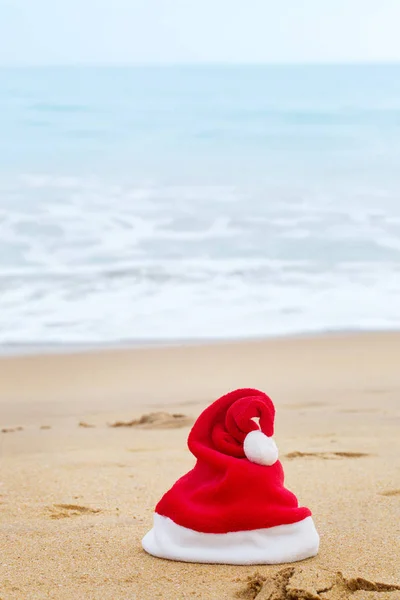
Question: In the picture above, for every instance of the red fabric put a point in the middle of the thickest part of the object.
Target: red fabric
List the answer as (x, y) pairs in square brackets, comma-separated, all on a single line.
[(225, 491)]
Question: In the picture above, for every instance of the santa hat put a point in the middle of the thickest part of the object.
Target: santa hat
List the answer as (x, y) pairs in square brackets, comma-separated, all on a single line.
[(232, 507)]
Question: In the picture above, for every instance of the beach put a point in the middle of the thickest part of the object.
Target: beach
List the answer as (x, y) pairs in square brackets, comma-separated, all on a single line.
[(77, 493)]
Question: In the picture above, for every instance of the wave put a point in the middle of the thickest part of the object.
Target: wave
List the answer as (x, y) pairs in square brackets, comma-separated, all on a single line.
[(149, 267)]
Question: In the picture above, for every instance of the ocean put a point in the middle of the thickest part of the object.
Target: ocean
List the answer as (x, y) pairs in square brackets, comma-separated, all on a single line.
[(143, 205)]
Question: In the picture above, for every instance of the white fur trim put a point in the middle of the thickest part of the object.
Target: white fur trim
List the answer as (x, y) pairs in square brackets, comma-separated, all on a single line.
[(260, 449), (274, 545)]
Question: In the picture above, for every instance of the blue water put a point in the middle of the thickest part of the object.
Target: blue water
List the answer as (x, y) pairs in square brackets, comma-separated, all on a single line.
[(204, 202)]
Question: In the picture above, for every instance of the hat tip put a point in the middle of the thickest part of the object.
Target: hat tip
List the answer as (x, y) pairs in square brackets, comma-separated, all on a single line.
[(260, 449)]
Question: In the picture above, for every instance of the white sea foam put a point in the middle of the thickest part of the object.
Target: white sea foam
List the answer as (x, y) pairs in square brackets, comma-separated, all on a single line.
[(83, 260)]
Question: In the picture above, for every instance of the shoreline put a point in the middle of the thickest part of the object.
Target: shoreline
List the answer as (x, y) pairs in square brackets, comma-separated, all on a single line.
[(66, 348)]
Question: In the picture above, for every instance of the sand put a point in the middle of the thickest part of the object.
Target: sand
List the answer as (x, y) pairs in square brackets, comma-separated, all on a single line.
[(77, 495)]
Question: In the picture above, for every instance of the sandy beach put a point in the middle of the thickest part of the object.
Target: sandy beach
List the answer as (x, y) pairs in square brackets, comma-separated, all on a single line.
[(77, 494)]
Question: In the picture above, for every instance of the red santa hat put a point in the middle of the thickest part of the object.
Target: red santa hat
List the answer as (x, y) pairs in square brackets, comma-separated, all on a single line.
[(232, 507)]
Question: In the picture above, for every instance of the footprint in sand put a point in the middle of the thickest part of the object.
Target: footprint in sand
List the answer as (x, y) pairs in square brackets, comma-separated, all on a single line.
[(379, 391), (325, 455), (157, 420), (313, 583), (390, 493), (63, 511), (11, 429)]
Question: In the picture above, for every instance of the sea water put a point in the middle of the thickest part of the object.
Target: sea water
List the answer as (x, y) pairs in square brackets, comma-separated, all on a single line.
[(177, 203)]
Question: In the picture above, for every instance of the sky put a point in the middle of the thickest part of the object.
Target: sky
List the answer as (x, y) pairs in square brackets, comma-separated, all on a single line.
[(48, 32)]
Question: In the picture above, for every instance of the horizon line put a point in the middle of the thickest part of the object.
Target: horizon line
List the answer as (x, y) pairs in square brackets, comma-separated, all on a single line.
[(166, 65)]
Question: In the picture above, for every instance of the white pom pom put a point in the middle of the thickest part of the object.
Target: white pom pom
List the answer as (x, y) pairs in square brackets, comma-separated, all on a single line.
[(260, 449)]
